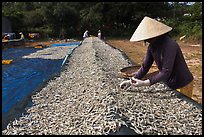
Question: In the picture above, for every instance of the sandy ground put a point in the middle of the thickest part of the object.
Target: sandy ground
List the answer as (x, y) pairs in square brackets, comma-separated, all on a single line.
[(192, 54)]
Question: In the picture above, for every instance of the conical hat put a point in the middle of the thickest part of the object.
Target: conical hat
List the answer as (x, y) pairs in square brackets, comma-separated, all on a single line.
[(149, 28)]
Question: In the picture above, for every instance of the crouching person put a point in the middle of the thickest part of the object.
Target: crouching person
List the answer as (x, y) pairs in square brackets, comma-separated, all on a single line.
[(166, 53)]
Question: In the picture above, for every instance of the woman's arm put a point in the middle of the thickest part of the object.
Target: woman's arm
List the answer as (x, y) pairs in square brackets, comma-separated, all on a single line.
[(147, 63)]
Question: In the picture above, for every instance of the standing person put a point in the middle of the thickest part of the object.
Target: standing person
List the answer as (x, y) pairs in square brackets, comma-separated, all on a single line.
[(99, 34), (167, 55), (86, 34), (6, 37), (22, 36)]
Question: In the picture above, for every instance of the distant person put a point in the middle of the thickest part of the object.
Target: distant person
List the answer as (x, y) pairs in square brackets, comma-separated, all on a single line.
[(22, 36), (99, 34), (86, 34), (166, 53), (6, 37)]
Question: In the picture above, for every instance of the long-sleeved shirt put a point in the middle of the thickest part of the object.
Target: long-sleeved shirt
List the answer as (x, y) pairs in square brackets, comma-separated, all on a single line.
[(169, 59)]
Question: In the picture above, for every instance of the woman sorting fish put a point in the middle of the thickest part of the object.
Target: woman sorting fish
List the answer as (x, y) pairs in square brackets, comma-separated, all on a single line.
[(166, 53)]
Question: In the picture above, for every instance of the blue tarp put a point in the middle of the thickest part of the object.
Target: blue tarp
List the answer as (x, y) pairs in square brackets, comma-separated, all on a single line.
[(66, 44), (24, 75)]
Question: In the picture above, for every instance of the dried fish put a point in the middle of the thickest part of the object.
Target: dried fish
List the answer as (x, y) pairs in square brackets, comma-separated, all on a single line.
[(85, 99)]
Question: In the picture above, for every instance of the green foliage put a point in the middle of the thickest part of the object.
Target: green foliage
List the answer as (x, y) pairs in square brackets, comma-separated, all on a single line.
[(188, 21), (115, 19), (14, 15)]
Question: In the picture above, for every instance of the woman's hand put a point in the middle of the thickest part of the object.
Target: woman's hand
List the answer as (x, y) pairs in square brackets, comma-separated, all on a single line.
[(138, 83), (125, 84)]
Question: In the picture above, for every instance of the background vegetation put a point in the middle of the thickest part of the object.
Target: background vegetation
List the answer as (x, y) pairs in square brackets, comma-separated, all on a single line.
[(115, 19)]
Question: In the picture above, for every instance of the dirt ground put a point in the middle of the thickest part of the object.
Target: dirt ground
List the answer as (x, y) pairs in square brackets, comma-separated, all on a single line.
[(192, 54), (137, 50)]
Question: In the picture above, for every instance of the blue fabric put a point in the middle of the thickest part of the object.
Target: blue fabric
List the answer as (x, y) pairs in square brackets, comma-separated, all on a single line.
[(66, 44), (24, 75)]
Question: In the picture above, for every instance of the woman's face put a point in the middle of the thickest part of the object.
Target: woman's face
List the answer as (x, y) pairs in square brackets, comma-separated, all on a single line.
[(151, 40)]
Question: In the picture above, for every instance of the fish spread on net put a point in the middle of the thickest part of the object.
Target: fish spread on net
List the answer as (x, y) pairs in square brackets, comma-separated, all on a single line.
[(85, 99)]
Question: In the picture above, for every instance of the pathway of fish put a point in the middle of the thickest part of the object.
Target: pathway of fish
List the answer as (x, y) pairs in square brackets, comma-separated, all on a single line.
[(85, 99)]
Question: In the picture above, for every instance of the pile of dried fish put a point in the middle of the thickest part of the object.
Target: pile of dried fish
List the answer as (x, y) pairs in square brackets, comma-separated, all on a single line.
[(85, 99), (58, 52)]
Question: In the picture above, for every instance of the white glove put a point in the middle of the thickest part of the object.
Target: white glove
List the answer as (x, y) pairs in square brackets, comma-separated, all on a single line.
[(138, 83), (125, 84)]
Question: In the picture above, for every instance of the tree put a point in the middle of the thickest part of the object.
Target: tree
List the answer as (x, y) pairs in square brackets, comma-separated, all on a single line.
[(116, 19), (15, 15)]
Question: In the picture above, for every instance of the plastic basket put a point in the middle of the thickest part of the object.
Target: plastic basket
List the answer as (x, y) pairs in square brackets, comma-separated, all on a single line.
[(38, 47), (6, 62), (127, 72)]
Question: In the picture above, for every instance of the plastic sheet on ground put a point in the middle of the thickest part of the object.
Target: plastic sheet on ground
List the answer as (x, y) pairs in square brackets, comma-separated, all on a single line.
[(65, 44), (29, 70)]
